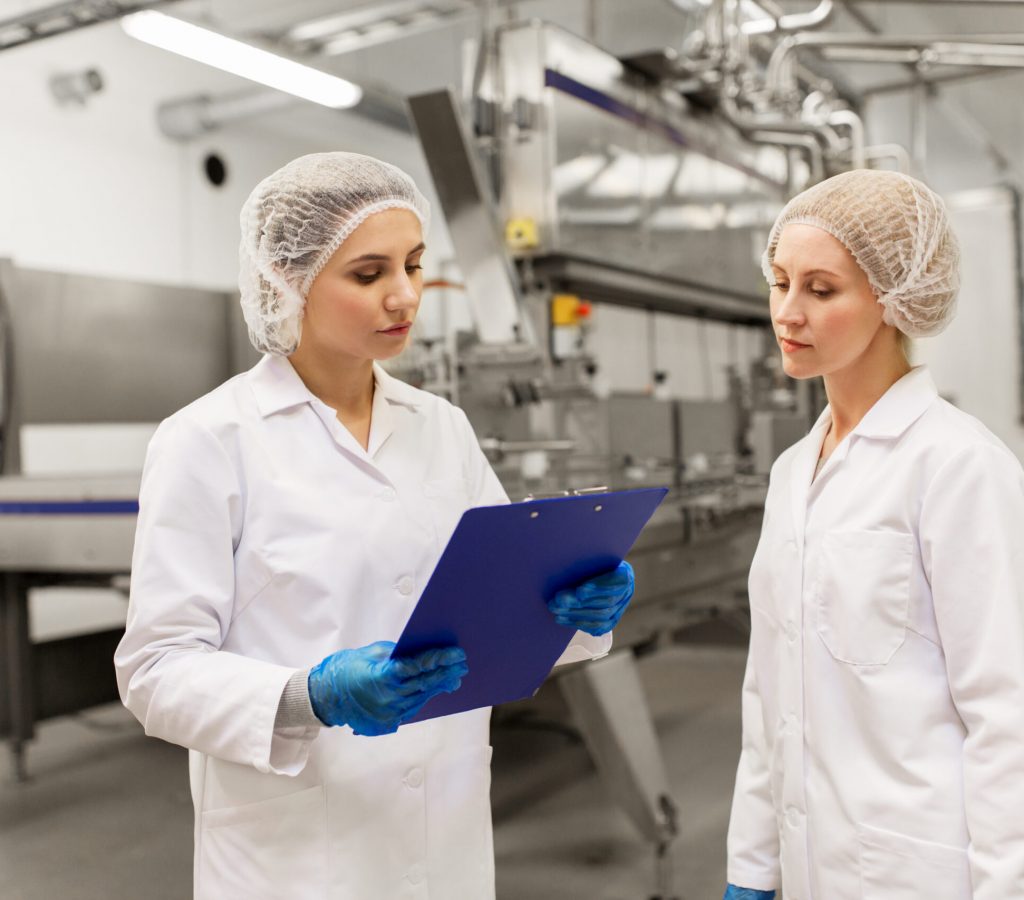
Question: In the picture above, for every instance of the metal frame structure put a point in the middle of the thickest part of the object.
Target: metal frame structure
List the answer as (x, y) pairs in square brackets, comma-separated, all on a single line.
[(60, 18)]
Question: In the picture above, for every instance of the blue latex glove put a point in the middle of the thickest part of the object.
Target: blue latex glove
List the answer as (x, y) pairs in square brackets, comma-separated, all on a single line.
[(737, 893), (596, 605), (372, 693)]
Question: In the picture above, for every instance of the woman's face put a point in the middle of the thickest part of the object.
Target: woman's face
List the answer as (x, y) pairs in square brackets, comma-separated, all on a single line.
[(825, 315), (362, 305)]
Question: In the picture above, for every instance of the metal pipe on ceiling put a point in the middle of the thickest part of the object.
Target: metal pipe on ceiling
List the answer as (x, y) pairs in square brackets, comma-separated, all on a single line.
[(793, 22), (896, 87), (805, 142), (923, 48), (748, 122), (956, 113), (770, 8), (849, 119), (897, 152), (946, 56), (778, 19)]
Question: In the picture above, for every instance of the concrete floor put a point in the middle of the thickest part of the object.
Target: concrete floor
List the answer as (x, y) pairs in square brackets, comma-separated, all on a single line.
[(107, 812)]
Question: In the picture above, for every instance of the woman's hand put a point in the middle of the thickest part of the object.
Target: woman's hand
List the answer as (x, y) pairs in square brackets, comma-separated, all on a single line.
[(372, 693), (596, 605), (737, 893)]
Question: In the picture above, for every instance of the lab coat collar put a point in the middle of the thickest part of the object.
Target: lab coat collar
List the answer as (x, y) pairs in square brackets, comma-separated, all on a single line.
[(278, 387), (893, 413), (395, 391), (900, 406)]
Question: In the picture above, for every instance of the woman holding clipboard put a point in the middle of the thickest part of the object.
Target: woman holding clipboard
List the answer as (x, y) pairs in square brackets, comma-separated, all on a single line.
[(288, 521)]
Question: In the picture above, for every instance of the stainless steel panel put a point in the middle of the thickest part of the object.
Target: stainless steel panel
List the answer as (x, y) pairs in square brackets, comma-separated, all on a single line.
[(642, 428), (771, 432), (614, 170), (601, 281), (609, 706), (67, 542), (242, 355), (491, 285), (95, 544), (86, 349), (99, 350), (708, 427)]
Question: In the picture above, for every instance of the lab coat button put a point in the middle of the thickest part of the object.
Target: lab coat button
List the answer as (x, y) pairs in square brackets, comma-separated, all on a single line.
[(793, 817), (405, 585), (388, 494), (791, 632), (415, 778), (415, 874)]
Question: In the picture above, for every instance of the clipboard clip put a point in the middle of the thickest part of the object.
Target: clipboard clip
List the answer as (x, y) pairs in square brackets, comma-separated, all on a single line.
[(572, 492)]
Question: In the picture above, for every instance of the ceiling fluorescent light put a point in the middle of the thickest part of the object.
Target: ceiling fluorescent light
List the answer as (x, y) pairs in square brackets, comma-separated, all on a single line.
[(241, 59)]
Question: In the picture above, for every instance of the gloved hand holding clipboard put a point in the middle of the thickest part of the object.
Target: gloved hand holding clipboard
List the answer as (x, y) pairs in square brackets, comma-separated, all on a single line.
[(489, 591)]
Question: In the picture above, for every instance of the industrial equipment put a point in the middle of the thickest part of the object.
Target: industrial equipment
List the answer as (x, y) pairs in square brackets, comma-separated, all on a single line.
[(79, 350), (576, 181)]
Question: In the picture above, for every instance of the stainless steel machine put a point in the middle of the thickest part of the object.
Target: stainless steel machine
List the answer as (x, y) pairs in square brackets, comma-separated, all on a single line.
[(574, 180), (80, 350)]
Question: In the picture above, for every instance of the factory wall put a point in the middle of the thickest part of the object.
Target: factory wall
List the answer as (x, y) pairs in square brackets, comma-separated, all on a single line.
[(976, 361), (693, 354), (98, 188)]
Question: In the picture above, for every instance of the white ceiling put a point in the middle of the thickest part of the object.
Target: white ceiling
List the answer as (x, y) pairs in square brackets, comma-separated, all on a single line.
[(624, 28), (434, 58)]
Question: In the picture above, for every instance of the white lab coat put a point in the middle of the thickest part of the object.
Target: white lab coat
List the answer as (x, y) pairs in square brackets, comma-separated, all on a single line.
[(268, 539), (883, 704)]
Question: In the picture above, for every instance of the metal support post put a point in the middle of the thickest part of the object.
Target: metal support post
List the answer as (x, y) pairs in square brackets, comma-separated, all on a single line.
[(17, 657), (610, 709)]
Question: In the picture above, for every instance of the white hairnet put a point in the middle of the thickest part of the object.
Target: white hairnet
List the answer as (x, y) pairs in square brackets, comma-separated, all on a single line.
[(897, 230), (294, 221)]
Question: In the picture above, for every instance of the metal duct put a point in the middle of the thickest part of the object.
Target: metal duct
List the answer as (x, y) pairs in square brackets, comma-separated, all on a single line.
[(190, 117)]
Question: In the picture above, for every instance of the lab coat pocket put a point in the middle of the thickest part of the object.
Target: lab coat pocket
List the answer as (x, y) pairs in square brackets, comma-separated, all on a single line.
[(863, 594), (897, 867), (448, 499), (265, 850)]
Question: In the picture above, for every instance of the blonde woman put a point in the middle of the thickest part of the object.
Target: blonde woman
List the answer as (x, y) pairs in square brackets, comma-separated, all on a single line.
[(883, 704)]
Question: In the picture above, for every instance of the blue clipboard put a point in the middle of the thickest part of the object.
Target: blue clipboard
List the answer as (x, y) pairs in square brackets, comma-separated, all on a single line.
[(489, 591)]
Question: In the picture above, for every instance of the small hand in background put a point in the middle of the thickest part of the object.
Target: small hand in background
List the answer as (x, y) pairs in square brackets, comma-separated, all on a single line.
[(737, 893)]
